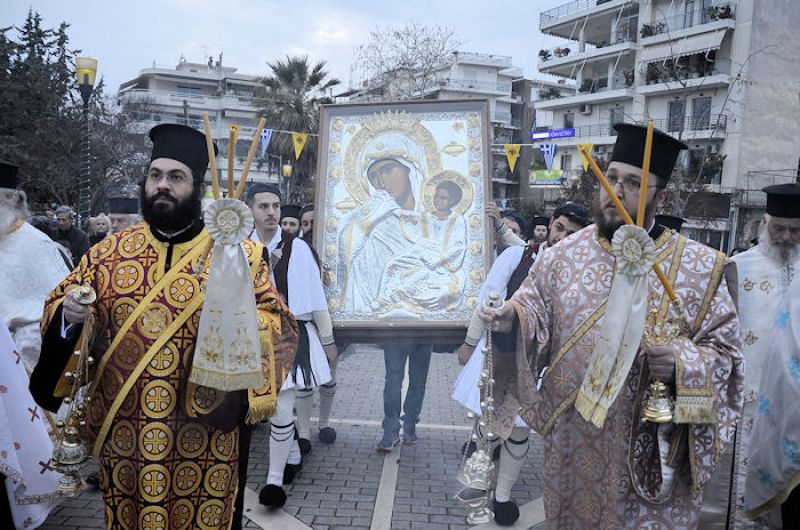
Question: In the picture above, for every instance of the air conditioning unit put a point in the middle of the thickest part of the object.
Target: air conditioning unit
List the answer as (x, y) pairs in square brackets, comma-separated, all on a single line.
[(586, 108), (600, 149)]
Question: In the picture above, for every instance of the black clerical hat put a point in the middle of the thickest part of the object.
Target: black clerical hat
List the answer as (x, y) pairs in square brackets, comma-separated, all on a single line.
[(123, 205), (540, 220), (306, 208), (629, 148), (670, 221), (8, 175), (261, 187), (290, 210), (181, 143), (783, 200)]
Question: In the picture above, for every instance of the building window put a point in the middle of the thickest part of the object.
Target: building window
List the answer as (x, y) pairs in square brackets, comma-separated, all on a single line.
[(569, 120), (566, 162), (688, 14), (193, 91), (677, 112), (701, 113)]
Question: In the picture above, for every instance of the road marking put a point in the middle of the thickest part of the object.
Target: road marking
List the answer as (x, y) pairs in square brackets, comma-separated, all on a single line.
[(530, 514), (266, 518)]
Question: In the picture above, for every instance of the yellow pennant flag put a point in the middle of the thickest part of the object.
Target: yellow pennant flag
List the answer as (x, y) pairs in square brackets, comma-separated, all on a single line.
[(512, 154), (299, 141), (584, 150)]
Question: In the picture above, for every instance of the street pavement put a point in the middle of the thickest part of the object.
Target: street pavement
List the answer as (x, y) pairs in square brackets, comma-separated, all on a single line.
[(348, 485)]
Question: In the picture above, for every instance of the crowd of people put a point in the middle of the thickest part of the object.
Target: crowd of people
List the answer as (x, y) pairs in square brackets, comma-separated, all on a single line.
[(585, 327)]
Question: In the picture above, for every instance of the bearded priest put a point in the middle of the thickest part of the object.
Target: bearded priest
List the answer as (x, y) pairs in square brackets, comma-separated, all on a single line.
[(169, 449), (594, 313)]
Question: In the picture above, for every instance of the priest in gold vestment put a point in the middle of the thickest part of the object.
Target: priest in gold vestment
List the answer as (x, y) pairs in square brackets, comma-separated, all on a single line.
[(604, 467), (171, 452)]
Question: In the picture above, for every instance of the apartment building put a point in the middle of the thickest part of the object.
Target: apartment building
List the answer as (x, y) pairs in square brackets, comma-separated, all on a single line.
[(719, 75), (467, 76), (181, 94)]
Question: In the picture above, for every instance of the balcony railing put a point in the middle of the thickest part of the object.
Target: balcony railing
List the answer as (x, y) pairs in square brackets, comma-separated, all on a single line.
[(552, 15), (505, 118), (689, 19), (559, 52), (483, 86), (483, 58), (704, 122), (190, 96)]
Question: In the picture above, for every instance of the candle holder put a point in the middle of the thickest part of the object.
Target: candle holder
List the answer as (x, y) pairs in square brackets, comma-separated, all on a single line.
[(479, 471), (659, 405)]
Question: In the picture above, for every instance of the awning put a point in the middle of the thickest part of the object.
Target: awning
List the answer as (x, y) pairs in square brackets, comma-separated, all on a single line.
[(686, 46)]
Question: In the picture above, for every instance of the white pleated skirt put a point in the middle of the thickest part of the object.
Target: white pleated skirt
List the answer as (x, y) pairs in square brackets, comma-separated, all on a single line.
[(319, 364), (466, 390)]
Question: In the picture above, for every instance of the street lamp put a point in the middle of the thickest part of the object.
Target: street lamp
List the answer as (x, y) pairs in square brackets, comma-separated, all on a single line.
[(286, 170), (85, 71)]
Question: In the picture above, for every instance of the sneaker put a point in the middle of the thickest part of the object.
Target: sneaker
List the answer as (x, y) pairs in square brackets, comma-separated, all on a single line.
[(388, 443), (409, 433)]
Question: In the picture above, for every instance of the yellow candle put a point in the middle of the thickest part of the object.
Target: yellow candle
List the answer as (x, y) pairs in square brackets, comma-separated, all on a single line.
[(250, 155), (231, 153), (648, 150), (212, 160)]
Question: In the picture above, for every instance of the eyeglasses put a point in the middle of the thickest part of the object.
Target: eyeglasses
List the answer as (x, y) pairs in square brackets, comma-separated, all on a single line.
[(628, 185)]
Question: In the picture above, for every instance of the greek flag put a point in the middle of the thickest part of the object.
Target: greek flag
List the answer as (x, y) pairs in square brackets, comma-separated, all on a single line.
[(549, 152), (266, 136)]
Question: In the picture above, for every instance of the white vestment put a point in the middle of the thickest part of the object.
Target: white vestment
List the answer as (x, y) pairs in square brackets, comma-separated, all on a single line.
[(25, 446), (764, 287), (31, 267), (306, 295)]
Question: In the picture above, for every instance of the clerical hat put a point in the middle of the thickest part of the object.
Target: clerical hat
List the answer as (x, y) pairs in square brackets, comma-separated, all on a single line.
[(670, 221), (261, 187), (629, 148), (783, 200), (540, 220), (8, 175), (181, 143), (306, 208), (290, 210), (123, 205)]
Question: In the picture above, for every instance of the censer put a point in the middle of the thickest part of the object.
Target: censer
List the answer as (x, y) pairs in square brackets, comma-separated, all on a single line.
[(478, 471), (659, 405), (70, 453)]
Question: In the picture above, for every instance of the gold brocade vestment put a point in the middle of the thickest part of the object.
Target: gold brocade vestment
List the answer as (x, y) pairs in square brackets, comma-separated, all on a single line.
[(161, 465)]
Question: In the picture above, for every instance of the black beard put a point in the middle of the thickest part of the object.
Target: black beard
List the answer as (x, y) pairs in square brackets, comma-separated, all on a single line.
[(185, 213)]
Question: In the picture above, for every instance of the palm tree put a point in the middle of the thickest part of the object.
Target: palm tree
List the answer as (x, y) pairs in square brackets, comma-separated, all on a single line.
[(293, 94)]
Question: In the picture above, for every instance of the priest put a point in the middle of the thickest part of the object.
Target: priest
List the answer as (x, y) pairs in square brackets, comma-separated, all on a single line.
[(766, 462), (168, 448), (594, 313), (31, 267)]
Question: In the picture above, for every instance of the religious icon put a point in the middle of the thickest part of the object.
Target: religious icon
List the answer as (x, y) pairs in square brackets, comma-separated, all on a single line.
[(398, 185)]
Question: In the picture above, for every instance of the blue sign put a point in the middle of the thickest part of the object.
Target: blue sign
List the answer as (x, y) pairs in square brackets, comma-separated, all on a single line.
[(552, 133)]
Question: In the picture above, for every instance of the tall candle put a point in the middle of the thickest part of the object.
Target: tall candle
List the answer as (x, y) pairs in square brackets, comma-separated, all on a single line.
[(212, 160), (648, 150)]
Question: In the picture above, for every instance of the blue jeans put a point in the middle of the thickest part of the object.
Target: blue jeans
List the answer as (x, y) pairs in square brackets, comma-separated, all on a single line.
[(394, 357)]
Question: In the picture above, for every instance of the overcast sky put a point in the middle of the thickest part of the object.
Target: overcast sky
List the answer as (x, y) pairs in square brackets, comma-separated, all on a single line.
[(127, 36)]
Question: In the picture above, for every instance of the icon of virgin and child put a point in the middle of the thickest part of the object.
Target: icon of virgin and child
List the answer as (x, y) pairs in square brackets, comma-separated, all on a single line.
[(407, 242)]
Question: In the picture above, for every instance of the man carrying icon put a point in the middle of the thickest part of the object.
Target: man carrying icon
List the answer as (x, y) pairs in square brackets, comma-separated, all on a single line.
[(596, 315)]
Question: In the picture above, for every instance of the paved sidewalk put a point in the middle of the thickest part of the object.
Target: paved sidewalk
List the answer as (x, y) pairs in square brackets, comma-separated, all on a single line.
[(339, 483)]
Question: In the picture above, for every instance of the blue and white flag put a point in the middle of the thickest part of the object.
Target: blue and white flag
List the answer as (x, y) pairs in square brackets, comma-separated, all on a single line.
[(266, 136), (549, 152)]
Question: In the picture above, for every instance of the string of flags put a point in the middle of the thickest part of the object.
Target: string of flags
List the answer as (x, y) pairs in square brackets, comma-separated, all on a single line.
[(299, 140), (548, 152)]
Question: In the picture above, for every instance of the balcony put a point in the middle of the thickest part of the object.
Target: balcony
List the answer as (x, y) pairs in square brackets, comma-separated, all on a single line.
[(691, 128), (195, 101), (568, 64), (599, 15), (468, 85), (697, 21), (485, 59), (617, 92), (504, 119)]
